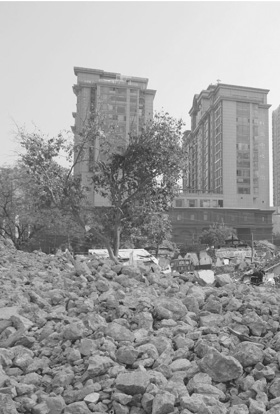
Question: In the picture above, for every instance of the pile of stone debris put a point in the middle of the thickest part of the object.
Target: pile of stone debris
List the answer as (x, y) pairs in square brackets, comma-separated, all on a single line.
[(87, 335)]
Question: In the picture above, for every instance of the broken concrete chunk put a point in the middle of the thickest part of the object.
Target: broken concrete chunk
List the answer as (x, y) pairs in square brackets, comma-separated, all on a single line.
[(220, 367), (133, 383)]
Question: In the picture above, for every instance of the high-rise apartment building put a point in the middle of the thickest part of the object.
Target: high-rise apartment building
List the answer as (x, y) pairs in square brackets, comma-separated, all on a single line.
[(228, 148), (124, 102), (276, 155)]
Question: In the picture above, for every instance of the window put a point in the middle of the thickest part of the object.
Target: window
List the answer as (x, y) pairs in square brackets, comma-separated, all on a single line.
[(204, 203), (243, 173), (243, 109), (243, 190), (243, 163), (192, 203), (243, 180), (178, 203), (243, 130), (121, 91), (243, 147)]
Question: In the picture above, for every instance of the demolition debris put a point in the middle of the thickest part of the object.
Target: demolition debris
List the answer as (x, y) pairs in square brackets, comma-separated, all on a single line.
[(85, 335)]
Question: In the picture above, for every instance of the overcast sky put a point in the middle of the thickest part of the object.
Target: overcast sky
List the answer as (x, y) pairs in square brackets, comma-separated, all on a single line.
[(181, 47)]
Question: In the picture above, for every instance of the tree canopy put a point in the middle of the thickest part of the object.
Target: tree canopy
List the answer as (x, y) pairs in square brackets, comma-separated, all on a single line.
[(216, 235), (138, 179), (25, 212)]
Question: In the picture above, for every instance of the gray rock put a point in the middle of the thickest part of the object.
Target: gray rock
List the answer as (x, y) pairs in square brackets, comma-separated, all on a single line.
[(77, 408), (122, 398), (133, 383), (194, 404), (274, 410), (206, 276), (256, 324), (170, 308), (71, 396), (3, 377), (98, 365), (63, 378), (119, 408), (119, 332), (200, 378), (212, 403), (92, 398), (32, 378), (220, 367), (81, 267), (239, 409), (198, 294), (41, 408), (256, 407), (163, 403), (149, 350), (127, 355), (274, 388), (180, 365), (211, 319), (147, 402), (56, 404), (74, 331), (87, 346), (209, 390), (23, 357), (248, 354), (132, 272), (223, 279), (7, 405)]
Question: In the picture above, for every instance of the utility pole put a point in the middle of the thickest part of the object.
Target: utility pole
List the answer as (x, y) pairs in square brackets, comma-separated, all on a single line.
[(252, 248)]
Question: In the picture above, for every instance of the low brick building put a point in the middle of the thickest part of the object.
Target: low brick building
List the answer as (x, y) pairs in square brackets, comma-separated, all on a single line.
[(188, 223)]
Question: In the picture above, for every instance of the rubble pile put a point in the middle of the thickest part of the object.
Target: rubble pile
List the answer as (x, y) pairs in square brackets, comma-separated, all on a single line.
[(87, 335)]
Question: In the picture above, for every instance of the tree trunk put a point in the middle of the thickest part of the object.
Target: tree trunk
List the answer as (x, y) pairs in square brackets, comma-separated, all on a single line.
[(106, 242), (157, 249), (98, 235), (117, 240)]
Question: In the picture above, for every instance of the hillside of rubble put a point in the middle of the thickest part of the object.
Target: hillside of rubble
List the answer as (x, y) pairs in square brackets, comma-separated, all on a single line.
[(85, 335)]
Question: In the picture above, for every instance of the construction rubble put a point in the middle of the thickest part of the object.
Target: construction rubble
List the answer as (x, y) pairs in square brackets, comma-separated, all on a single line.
[(86, 335)]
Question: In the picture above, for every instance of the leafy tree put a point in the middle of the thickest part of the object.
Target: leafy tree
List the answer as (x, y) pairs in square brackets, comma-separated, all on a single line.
[(152, 232), (20, 218), (216, 235), (137, 179), (25, 215), (142, 179)]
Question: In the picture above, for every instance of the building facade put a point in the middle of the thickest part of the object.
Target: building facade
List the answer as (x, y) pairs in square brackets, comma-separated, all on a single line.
[(250, 224), (227, 178), (125, 104), (276, 155), (228, 146)]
